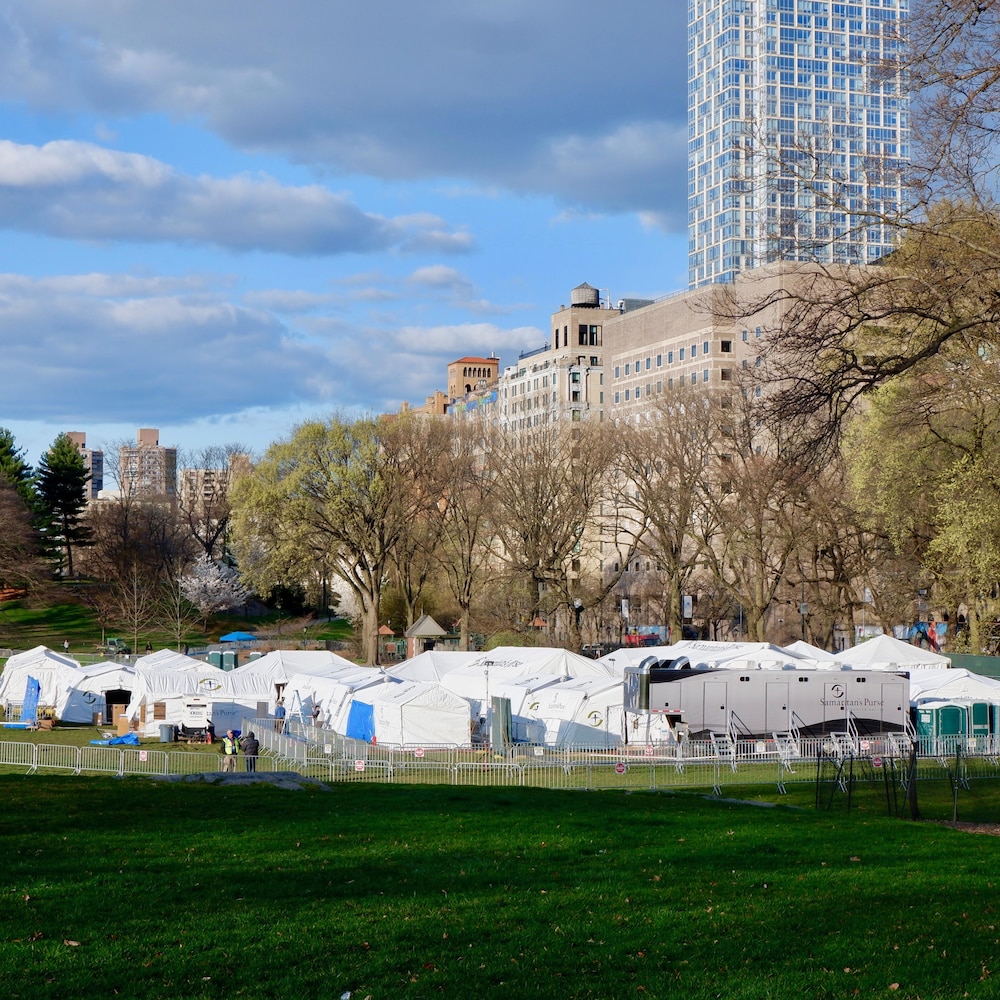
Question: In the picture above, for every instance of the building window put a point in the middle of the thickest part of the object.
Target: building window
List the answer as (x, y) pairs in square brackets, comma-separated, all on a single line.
[(649, 363), (618, 372), (628, 368), (726, 347), (746, 336), (670, 357), (583, 334), (594, 337), (628, 395), (726, 374), (694, 351), (704, 348), (659, 387), (704, 375), (659, 360), (618, 397), (694, 378), (595, 362), (680, 354)]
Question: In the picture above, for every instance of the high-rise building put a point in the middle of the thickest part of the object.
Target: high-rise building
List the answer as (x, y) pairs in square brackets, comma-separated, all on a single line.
[(147, 469), (93, 460), (798, 132)]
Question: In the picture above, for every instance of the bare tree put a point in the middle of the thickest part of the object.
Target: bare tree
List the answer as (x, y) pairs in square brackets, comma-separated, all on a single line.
[(207, 477)]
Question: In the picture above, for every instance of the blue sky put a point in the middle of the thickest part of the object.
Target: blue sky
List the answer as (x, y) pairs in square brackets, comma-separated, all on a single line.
[(222, 218)]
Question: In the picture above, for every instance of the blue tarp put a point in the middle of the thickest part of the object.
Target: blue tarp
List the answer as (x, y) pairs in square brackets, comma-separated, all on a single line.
[(361, 721), (238, 637), (128, 740), (29, 708)]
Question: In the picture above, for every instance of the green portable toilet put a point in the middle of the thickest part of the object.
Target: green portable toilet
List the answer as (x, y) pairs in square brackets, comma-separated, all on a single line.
[(215, 657), (229, 659), (256, 654), (979, 718), (940, 719)]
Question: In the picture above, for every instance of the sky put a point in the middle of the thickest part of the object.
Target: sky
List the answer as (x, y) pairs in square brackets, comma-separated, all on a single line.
[(223, 218)]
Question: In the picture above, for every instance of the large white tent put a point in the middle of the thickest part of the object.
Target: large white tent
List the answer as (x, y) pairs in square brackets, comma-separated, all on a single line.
[(86, 693), (53, 671), (953, 685), (432, 664), (585, 712), (332, 692), (883, 652), (413, 713), (160, 694)]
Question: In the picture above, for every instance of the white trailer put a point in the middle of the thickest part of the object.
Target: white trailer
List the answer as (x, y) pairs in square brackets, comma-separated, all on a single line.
[(759, 703)]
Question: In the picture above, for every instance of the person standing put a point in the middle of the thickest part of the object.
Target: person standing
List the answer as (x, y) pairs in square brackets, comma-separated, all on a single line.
[(250, 747), (230, 751), (316, 711), (279, 716)]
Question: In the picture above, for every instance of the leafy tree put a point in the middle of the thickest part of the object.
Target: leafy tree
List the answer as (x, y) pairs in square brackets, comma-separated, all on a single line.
[(339, 493), (62, 498)]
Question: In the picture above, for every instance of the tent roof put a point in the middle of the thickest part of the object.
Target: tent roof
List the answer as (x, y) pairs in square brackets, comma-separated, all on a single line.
[(706, 654), (41, 655), (884, 652), (803, 648), (953, 685), (431, 665), (523, 661)]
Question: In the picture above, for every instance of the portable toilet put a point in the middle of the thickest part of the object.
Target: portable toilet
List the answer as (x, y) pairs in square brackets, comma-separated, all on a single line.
[(940, 720), (979, 720), (215, 658), (229, 659)]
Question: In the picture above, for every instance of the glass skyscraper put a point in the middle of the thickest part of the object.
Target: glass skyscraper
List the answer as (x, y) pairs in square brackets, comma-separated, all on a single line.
[(798, 132)]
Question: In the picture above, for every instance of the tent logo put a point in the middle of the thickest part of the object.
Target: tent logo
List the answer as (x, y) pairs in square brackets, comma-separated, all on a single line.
[(209, 685), (596, 719), (89, 697), (837, 690)]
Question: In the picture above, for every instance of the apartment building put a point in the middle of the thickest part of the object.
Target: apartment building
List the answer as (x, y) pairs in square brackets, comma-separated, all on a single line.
[(93, 459), (147, 469), (798, 132)]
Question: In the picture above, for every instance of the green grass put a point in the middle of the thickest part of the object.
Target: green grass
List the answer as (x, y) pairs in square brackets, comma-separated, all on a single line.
[(24, 627), (152, 889)]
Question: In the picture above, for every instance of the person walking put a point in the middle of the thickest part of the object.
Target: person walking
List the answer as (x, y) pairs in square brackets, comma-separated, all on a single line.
[(230, 751), (250, 747)]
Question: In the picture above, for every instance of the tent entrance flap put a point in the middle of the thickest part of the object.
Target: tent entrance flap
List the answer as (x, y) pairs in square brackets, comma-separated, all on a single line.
[(361, 721)]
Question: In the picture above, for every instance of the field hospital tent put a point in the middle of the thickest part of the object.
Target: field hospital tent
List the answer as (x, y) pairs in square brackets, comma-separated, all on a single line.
[(820, 656), (280, 664), (53, 671), (409, 713), (168, 659), (883, 652), (432, 664), (581, 713), (163, 695), (485, 677), (87, 693), (953, 685), (332, 692)]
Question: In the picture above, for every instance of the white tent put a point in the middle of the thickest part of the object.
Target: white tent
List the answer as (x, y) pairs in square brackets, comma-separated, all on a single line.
[(497, 672), (333, 693), (168, 659), (280, 664), (432, 664), (883, 652), (821, 656), (53, 671), (585, 712), (84, 697), (160, 693), (953, 685), (411, 713)]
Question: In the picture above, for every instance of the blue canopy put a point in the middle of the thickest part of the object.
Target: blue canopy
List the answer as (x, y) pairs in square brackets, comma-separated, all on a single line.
[(238, 637)]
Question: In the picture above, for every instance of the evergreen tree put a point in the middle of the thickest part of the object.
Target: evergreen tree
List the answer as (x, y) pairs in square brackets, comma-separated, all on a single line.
[(14, 469), (62, 497)]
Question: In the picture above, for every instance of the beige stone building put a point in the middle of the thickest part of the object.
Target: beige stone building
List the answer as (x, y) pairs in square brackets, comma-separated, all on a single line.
[(147, 469), (93, 460)]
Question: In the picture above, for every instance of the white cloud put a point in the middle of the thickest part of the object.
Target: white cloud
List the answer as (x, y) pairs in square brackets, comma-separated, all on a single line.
[(82, 191), (455, 90)]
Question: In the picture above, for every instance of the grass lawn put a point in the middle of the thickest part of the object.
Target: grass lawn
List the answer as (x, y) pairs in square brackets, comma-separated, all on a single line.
[(154, 889)]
